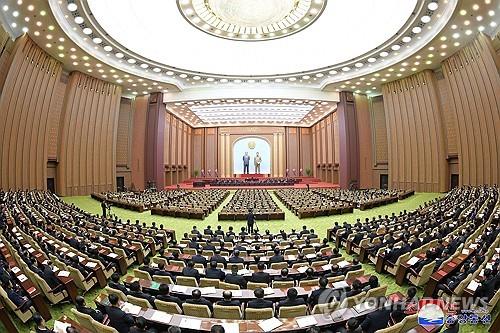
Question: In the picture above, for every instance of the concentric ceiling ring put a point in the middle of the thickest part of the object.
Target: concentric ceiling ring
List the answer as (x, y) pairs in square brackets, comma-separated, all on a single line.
[(251, 20)]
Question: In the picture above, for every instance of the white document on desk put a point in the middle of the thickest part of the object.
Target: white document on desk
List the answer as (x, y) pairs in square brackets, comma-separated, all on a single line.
[(306, 321), (22, 278), (302, 269), (131, 308), (473, 285), (190, 323), (413, 261), (179, 289), (270, 324), (208, 290), (15, 269), (60, 327), (340, 285), (63, 273), (231, 327), (326, 267), (343, 263), (161, 317), (268, 291), (237, 293), (91, 264), (112, 255)]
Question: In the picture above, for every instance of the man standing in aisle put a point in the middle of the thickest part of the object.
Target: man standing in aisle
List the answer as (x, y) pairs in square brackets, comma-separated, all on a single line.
[(246, 163), (256, 161), (250, 221)]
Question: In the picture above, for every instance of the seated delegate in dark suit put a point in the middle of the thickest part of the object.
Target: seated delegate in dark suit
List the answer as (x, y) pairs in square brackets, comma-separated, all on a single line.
[(118, 319), (218, 258), (191, 271), (50, 277), (83, 308), (376, 320), (214, 273), (198, 258), (197, 299), (235, 259), (283, 276), (164, 295), (259, 302), (141, 327), (291, 299), (277, 257), (115, 284), (234, 278), (15, 295), (260, 276), (161, 271), (146, 267), (228, 299), (356, 288), (135, 290), (325, 293), (40, 324)]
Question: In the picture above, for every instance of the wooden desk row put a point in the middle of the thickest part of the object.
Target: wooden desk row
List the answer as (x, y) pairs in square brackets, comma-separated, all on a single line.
[(336, 318), (28, 286)]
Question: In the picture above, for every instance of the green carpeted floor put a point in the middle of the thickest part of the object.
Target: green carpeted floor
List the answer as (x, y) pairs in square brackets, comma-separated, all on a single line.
[(291, 221)]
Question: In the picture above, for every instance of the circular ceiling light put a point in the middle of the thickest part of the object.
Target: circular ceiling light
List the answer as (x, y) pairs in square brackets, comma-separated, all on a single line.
[(254, 20), (72, 7)]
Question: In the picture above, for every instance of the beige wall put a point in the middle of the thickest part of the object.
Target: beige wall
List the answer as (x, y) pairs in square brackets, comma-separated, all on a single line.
[(88, 130), (177, 150), (29, 97), (473, 83), (326, 151)]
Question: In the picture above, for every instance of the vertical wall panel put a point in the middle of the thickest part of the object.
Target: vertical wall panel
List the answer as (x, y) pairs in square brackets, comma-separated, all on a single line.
[(473, 83), (28, 92), (138, 142), (417, 156), (365, 141), (90, 111)]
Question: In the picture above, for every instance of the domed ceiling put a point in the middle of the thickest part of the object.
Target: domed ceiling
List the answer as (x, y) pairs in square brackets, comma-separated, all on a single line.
[(300, 51)]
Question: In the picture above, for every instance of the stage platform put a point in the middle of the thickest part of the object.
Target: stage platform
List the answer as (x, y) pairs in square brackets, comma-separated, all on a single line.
[(301, 183)]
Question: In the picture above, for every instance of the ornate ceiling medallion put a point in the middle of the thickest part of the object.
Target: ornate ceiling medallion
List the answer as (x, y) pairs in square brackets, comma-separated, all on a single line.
[(251, 20)]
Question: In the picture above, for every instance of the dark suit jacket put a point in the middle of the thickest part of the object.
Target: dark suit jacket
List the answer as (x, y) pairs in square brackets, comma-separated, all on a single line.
[(140, 294), (199, 259), (326, 295), (376, 320), (219, 259), (229, 303), (211, 273), (201, 301), (289, 302), (276, 258), (192, 272), (118, 286), (236, 279), (261, 277), (235, 260), (96, 315), (50, 277), (170, 298), (119, 319), (259, 303)]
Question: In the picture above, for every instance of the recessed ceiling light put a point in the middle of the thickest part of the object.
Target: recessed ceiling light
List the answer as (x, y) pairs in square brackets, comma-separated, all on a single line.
[(433, 6), (72, 7), (79, 20), (425, 19), (87, 31)]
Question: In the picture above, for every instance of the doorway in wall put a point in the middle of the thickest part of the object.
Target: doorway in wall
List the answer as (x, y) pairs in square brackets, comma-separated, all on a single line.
[(384, 181), (120, 184)]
